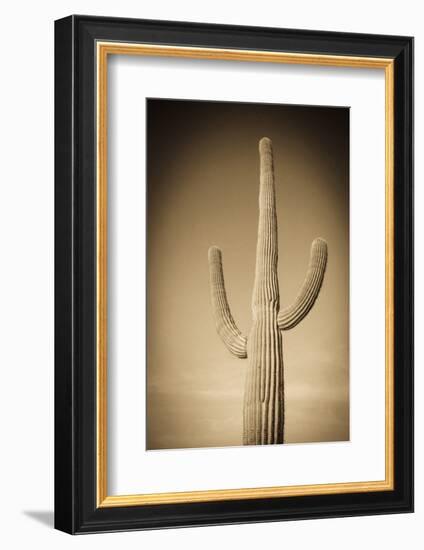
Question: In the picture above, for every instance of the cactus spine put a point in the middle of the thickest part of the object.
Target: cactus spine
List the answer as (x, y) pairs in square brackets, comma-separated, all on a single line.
[(263, 414)]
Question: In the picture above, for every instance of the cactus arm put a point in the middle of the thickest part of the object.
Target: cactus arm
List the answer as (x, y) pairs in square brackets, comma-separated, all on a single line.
[(288, 318), (225, 325)]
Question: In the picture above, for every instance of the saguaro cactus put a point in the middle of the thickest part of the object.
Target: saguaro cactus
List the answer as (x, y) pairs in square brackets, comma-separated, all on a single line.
[(263, 415)]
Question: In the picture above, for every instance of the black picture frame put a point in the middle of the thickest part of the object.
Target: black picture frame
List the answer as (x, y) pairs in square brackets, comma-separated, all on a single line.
[(76, 509)]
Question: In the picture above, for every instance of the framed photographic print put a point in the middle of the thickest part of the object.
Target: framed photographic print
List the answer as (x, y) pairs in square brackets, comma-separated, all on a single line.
[(234, 274)]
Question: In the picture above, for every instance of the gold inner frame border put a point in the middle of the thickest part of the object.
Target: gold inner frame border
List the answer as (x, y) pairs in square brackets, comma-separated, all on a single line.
[(103, 50)]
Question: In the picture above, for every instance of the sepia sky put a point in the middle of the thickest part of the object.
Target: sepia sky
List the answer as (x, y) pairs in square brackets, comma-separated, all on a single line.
[(203, 184)]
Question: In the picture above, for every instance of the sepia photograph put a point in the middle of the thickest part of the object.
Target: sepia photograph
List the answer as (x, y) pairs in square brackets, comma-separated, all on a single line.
[(247, 274)]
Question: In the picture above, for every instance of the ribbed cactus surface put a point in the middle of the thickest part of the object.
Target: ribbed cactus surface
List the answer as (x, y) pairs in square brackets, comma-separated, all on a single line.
[(263, 414)]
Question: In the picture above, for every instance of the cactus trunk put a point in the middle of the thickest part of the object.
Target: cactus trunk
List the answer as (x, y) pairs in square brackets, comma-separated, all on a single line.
[(264, 393), (263, 414), (263, 418)]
